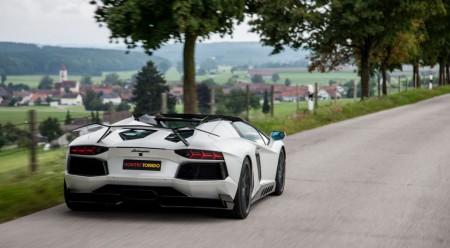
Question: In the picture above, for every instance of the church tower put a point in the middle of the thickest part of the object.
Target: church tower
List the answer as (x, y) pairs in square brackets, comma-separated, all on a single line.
[(62, 73)]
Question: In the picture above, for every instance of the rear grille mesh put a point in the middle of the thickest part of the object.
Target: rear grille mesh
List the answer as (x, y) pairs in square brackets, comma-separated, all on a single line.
[(87, 166), (202, 171)]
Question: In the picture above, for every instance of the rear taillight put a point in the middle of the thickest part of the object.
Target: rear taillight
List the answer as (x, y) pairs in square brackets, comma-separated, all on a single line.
[(87, 150), (200, 154)]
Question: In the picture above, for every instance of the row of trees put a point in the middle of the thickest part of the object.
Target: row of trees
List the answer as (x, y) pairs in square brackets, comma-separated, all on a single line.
[(373, 34)]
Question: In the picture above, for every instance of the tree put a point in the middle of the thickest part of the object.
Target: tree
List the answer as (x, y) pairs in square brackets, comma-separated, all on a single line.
[(163, 66), (92, 100), (86, 79), (236, 102), (2, 138), (112, 78), (3, 78), (48, 99), (266, 106), (123, 106), (204, 97), (50, 129), (209, 65), (68, 119), (257, 78), (337, 31), (275, 77), (147, 91), (46, 83), (153, 23), (39, 101), (287, 82)]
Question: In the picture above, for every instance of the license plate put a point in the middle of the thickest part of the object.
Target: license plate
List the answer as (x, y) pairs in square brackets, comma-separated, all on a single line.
[(141, 165)]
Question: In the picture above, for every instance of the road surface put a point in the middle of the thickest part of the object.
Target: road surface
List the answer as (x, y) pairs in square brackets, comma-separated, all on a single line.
[(382, 180)]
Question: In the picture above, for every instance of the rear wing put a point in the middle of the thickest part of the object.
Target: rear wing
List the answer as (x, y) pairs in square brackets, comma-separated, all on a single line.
[(111, 128)]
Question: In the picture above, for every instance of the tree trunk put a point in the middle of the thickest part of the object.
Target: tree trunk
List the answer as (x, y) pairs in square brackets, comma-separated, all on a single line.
[(416, 75), (365, 73), (447, 73), (441, 72), (384, 77), (189, 90)]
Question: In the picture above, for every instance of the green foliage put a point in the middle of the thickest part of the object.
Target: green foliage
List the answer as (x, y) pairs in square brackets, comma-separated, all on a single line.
[(123, 106), (3, 78), (147, 91), (92, 101), (46, 82), (68, 119), (209, 65), (23, 193), (236, 101), (204, 97), (50, 129), (28, 59), (86, 79), (266, 106), (347, 31), (275, 77), (287, 82), (257, 78), (112, 78), (153, 23)]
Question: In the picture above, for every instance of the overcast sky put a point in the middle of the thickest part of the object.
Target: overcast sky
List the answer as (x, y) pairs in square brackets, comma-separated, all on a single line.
[(66, 22)]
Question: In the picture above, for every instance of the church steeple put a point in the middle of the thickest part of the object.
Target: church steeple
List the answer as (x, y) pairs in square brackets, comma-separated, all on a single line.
[(62, 73)]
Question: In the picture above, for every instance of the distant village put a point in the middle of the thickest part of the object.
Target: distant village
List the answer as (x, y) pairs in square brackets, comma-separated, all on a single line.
[(70, 93)]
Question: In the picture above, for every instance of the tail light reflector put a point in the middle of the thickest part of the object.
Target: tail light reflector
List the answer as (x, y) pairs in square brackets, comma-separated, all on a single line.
[(87, 150), (200, 154)]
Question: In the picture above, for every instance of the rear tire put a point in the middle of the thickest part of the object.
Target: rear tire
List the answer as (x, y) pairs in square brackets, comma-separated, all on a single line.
[(242, 200), (280, 177)]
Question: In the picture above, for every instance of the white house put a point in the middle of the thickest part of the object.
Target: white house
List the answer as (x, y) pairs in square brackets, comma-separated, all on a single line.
[(71, 99), (113, 98)]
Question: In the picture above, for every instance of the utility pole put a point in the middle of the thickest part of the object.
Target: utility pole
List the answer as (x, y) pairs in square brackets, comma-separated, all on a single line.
[(247, 105), (164, 103), (32, 122), (212, 102)]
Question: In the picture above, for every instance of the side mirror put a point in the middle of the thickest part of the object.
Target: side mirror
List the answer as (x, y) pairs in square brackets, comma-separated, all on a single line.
[(276, 135)]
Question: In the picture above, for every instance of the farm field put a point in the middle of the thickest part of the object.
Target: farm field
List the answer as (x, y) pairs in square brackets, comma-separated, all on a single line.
[(19, 115), (299, 77)]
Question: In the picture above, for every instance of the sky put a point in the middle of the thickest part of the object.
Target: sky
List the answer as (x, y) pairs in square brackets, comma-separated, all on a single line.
[(67, 23)]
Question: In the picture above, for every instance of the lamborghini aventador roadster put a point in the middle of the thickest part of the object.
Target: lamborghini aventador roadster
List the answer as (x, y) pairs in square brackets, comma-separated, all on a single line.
[(175, 160)]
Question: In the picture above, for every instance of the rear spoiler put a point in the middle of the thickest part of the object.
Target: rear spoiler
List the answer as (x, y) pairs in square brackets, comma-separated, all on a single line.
[(111, 128)]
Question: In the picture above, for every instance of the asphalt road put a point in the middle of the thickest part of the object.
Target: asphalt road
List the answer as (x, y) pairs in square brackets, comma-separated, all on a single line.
[(381, 180)]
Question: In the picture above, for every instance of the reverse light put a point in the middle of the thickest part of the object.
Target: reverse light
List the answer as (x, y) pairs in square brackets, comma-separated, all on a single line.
[(200, 154), (87, 150)]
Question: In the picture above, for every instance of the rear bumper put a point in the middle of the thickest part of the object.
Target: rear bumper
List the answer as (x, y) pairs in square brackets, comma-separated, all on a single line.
[(165, 192)]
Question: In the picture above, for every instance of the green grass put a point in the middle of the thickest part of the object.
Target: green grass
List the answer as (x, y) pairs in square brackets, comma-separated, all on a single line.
[(18, 115), (328, 112), (33, 80), (23, 192)]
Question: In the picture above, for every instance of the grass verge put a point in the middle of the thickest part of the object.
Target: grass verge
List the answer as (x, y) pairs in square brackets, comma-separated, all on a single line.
[(23, 192), (304, 120)]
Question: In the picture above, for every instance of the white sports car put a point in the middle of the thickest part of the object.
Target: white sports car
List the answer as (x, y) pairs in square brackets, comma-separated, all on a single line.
[(175, 160)]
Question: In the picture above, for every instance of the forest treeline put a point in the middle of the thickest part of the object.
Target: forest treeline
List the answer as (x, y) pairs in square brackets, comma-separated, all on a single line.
[(27, 59)]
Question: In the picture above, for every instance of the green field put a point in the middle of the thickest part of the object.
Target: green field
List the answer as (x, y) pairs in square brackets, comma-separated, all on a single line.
[(301, 77), (224, 73), (33, 80), (23, 192), (19, 115)]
